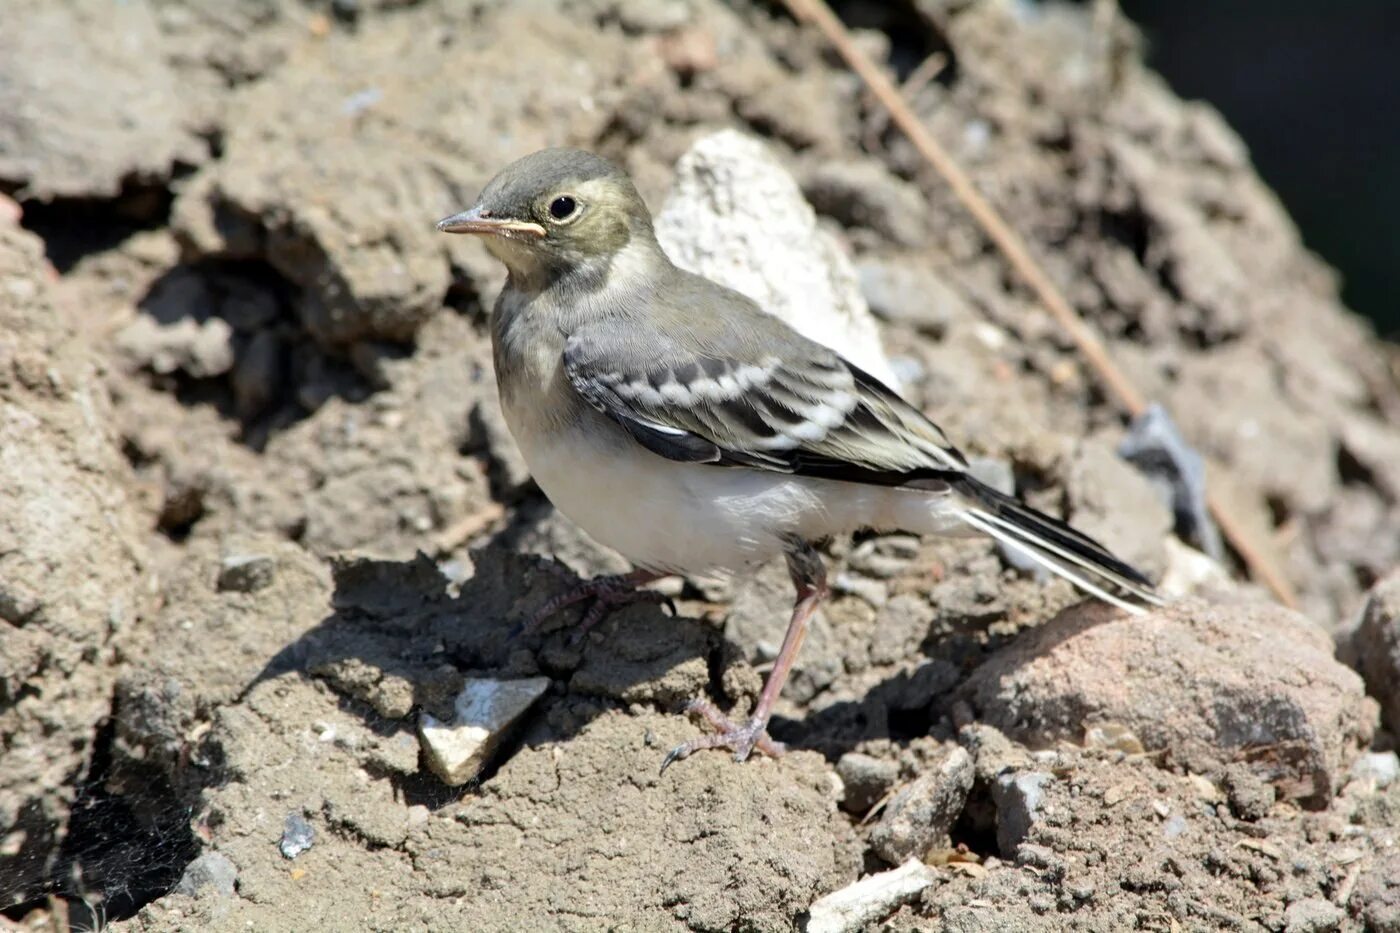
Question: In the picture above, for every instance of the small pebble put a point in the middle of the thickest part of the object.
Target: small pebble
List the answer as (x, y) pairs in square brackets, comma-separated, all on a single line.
[(1250, 796), (866, 780), (246, 573), (212, 870), (297, 836)]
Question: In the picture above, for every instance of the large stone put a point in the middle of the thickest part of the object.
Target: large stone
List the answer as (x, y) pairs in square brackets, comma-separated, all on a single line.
[(736, 216), (1207, 685)]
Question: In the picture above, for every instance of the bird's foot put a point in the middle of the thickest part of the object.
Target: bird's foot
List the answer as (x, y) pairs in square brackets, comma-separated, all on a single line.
[(607, 593), (740, 739)]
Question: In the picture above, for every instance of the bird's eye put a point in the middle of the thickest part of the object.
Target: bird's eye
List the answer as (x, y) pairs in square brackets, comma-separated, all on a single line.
[(563, 207)]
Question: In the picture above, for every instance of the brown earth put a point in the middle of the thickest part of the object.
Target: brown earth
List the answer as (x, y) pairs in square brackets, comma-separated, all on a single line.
[(258, 509)]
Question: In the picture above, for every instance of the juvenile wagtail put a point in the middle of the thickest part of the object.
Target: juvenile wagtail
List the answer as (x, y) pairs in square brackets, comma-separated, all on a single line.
[(678, 423)]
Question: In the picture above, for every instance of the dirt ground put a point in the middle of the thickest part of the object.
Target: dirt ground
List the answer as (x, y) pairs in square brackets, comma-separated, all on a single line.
[(259, 512)]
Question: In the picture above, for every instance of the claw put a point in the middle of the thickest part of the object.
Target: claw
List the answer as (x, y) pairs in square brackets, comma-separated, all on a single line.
[(673, 756), (741, 740)]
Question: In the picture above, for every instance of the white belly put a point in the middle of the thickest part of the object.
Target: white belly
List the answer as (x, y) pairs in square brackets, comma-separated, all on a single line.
[(698, 518)]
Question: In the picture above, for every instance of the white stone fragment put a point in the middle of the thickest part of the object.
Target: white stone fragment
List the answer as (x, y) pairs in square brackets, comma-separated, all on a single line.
[(485, 711), (736, 216), (1190, 572), (869, 899)]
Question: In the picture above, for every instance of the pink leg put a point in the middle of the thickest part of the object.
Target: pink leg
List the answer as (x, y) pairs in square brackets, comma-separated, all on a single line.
[(608, 593), (809, 576)]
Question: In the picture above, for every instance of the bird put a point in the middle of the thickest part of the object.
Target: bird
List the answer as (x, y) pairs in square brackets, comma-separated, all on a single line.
[(678, 423)]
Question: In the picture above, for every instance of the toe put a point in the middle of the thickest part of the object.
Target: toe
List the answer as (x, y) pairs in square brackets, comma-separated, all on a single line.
[(673, 756), (741, 740)]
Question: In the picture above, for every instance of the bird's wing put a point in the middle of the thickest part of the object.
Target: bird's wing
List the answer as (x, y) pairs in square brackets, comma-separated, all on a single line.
[(730, 385), (761, 396)]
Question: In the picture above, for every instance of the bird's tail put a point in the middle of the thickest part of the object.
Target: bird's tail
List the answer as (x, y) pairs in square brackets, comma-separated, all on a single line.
[(1055, 546)]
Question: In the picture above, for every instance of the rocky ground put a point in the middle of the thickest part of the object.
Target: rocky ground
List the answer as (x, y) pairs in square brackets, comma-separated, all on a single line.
[(260, 520)]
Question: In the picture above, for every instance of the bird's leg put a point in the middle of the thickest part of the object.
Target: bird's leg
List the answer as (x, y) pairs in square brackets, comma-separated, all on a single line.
[(607, 593), (809, 577)]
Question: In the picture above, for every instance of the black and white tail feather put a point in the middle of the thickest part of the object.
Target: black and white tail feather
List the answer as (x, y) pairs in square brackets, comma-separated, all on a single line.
[(1054, 545)]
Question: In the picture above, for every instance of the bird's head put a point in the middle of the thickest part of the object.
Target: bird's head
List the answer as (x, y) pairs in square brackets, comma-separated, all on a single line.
[(555, 211)]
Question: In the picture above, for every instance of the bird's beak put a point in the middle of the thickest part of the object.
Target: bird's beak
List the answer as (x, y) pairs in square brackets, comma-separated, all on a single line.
[(480, 222)]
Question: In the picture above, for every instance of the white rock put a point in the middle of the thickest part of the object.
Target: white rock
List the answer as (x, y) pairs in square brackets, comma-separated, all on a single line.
[(736, 216), (1190, 572), (485, 710), (869, 899)]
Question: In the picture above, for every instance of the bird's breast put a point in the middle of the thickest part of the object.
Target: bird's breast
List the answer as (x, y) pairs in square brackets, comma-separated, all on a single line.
[(659, 514)]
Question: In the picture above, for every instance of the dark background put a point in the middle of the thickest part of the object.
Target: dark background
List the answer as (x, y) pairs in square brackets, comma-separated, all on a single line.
[(1314, 89)]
